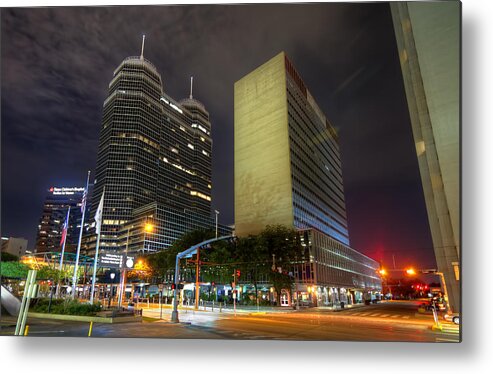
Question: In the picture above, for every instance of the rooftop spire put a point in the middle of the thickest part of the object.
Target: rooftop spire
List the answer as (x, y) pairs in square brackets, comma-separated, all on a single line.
[(142, 51), (191, 87)]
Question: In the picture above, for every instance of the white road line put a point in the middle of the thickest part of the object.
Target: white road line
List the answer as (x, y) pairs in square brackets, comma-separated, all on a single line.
[(446, 340), (364, 314), (405, 317), (374, 314)]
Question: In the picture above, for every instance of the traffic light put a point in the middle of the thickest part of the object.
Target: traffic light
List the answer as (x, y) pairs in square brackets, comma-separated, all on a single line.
[(238, 273), (173, 286)]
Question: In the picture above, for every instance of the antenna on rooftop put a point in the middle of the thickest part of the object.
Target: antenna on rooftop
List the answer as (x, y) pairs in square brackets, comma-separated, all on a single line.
[(191, 87), (142, 51)]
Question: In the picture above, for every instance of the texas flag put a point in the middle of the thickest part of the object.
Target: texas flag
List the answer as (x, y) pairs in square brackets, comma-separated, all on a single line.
[(65, 228)]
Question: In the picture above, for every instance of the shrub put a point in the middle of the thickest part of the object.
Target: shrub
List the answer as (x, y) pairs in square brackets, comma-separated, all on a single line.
[(61, 306)]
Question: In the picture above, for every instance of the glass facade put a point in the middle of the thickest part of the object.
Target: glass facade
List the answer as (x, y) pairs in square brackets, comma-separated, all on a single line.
[(317, 185), (58, 200), (154, 153)]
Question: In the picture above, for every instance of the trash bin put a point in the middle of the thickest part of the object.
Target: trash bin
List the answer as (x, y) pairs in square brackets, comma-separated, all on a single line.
[(342, 304)]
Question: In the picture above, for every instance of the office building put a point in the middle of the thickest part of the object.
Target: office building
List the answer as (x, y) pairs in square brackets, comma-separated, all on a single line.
[(58, 200), (14, 246), (428, 41), (288, 171), (154, 157), (287, 163)]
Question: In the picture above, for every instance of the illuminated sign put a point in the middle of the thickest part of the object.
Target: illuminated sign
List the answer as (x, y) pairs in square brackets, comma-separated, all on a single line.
[(66, 190), (116, 261)]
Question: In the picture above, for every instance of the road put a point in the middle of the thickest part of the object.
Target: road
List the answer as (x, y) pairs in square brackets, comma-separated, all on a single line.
[(388, 321)]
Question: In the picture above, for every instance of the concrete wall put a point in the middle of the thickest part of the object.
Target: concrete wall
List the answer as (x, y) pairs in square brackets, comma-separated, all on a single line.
[(428, 40), (261, 149), (14, 246)]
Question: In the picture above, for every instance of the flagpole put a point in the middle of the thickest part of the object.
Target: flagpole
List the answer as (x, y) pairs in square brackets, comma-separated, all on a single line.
[(63, 251), (93, 285), (76, 267), (99, 219)]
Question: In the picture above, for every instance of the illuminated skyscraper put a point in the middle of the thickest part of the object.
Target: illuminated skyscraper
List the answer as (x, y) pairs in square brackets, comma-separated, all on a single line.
[(154, 156), (58, 200)]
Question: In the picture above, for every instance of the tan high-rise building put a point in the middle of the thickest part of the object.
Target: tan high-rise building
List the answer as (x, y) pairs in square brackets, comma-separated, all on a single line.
[(287, 161), (428, 40), (288, 171)]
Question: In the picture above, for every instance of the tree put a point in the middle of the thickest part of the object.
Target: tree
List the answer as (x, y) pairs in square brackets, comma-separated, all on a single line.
[(13, 270), (283, 247), (162, 262)]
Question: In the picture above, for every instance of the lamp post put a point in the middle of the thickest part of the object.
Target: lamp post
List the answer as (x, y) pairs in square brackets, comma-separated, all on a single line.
[(147, 228), (123, 272), (217, 213), (112, 276)]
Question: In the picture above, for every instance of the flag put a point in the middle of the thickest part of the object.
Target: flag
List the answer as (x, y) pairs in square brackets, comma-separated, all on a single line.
[(98, 217), (65, 228), (83, 203)]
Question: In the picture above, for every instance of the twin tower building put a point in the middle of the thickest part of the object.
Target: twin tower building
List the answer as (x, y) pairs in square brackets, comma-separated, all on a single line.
[(154, 166)]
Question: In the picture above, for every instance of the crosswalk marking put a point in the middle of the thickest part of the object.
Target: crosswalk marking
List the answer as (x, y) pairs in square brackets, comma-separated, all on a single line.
[(405, 317), (385, 315)]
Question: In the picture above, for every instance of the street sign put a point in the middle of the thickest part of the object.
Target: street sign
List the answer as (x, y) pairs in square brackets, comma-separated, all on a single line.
[(113, 260)]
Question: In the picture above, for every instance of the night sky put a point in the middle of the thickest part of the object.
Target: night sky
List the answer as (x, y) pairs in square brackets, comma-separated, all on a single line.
[(56, 64)]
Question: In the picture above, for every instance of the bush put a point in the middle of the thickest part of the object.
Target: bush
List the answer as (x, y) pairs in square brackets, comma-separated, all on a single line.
[(13, 270), (61, 306)]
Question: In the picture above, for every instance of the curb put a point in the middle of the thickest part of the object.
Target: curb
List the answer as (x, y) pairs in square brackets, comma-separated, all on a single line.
[(67, 317)]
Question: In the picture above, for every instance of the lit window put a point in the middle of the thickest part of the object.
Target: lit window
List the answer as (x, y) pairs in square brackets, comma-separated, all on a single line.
[(175, 108), (191, 146), (182, 128), (205, 153), (174, 150), (203, 139), (165, 159), (201, 195)]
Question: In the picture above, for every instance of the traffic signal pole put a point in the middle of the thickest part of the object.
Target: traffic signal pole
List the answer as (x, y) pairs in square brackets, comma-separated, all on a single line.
[(189, 252)]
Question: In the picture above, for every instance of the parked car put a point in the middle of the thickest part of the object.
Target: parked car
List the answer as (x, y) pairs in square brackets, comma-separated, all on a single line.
[(452, 317)]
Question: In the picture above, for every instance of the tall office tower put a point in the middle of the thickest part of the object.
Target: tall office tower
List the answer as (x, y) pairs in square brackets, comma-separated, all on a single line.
[(55, 207), (154, 156), (288, 171), (428, 41), (287, 162)]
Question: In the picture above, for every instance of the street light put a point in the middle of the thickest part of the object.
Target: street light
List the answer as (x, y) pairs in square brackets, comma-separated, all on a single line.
[(148, 227), (112, 276), (410, 271)]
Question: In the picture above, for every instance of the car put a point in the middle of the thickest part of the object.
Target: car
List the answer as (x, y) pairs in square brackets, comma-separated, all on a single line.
[(452, 317)]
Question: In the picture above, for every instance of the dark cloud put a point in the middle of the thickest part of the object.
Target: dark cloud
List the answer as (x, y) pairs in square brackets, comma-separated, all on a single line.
[(57, 63)]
